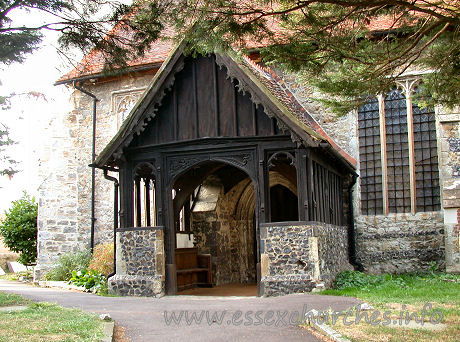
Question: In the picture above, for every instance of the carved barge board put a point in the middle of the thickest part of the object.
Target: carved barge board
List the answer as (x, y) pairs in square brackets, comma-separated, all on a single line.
[(204, 102)]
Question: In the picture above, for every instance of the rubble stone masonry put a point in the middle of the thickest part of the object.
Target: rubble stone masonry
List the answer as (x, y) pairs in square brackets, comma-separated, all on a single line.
[(297, 256), (64, 218), (140, 262), (400, 242)]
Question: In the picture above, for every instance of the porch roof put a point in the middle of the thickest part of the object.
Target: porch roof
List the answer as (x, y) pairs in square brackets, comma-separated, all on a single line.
[(265, 88)]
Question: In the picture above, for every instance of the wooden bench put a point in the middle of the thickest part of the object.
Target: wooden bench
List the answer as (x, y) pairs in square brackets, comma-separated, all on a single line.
[(193, 269)]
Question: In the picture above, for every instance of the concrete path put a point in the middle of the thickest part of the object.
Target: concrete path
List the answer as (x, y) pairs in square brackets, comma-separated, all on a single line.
[(144, 318)]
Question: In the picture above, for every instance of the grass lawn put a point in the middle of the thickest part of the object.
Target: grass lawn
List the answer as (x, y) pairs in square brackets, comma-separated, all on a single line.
[(10, 276), (7, 299), (46, 322), (406, 293), (17, 276)]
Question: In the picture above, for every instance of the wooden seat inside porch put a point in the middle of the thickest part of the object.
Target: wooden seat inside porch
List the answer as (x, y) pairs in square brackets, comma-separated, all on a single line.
[(193, 269)]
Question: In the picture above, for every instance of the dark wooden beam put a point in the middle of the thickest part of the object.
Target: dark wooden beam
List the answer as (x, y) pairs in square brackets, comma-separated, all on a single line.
[(235, 111), (137, 194), (216, 96), (302, 180), (310, 185), (195, 101), (175, 114), (254, 119), (263, 185)]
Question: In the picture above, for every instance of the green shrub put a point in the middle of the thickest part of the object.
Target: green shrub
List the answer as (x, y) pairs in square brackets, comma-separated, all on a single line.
[(90, 280), (74, 261), (19, 229), (102, 260), (363, 281)]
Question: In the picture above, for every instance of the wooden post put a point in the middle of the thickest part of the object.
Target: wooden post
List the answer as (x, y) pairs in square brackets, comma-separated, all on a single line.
[(126, 197), (310, 187), (170, 245), (147, 201), (137, 194), (263, 188), (302, 188)]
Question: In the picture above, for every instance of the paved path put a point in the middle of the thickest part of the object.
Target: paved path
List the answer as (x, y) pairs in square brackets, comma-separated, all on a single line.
[(144, 319)]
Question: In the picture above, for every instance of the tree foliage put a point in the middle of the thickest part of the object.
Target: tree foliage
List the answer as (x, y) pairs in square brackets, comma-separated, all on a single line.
[(347, 49), (19, 229), (82, 24), (7, 164)]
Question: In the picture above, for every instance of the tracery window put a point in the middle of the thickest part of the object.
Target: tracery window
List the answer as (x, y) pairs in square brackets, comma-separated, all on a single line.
[(398, 154)]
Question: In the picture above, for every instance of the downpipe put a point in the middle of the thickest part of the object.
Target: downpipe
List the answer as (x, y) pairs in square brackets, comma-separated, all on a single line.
[(115, 219), (93, 158), (351, 224)]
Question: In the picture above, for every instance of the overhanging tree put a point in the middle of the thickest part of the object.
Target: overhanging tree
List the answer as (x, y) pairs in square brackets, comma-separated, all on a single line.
[(80, 26), (348, 49), (7, 164)]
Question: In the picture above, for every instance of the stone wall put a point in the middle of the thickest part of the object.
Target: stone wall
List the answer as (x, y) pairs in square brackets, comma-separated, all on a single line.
[(296, 256), (449, 146), (342, 129), (332, 251), (64, 204), (399, 243), (219, 230), (140, 263)]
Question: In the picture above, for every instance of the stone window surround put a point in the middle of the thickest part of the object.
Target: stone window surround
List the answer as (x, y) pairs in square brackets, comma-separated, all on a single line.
[(119, 96), (407, 83)]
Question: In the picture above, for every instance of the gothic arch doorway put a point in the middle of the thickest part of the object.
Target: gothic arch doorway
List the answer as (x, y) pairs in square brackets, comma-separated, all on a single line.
[(215, 229)]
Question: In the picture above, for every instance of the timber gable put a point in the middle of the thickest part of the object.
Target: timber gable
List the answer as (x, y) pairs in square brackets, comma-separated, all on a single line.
[(266, 101)]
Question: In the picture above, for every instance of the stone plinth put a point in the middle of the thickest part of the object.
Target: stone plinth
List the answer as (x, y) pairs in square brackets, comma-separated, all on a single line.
[(140, 262), (296, 256), (399, 243)]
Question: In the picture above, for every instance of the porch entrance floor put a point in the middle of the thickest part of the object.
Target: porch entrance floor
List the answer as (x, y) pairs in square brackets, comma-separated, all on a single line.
[(240, 290)]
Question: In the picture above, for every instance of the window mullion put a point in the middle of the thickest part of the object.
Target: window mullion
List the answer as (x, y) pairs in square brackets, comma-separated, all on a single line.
[(383, 153), (408, 87)]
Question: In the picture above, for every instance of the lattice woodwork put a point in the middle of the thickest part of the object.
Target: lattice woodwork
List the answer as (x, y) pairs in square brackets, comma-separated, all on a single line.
[(397, 152), (370, 159), (426, 160)]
